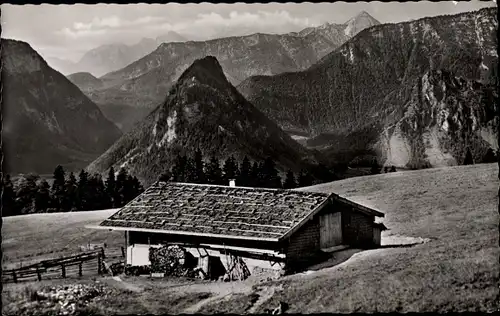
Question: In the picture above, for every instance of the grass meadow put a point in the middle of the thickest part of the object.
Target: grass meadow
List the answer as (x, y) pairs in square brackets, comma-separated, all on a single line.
[(455, 208)]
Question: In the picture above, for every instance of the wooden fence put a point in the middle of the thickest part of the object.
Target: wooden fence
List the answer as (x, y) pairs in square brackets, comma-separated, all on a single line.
[(87, 263)]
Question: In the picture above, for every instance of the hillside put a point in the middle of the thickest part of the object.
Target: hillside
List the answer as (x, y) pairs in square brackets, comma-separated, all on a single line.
[(62, 65), (357, 97), (85, 81), (457, 270), (124, 116), (107, 58), (145, 82), (47, 120), (202, 111)]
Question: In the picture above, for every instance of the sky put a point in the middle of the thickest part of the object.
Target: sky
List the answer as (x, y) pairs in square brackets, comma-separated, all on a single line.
[(68, 31)]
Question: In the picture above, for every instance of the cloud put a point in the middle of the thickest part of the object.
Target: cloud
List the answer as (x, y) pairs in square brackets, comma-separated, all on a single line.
[(99, 26), (210, 25), (247, 19), (199, 26), (81, 32)]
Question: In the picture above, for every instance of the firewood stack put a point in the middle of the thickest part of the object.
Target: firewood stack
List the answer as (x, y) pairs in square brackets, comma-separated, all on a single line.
[(237, 269), (169, 260)]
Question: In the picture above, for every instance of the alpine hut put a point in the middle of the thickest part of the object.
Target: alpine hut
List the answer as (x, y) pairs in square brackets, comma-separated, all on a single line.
[(268, 229)]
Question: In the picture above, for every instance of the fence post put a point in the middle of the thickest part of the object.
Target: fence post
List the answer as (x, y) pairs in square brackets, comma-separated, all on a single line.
[(123, 252), (102, 253), (80, 269), (14, 276), (38, 274), (63, 271), (99, 264)]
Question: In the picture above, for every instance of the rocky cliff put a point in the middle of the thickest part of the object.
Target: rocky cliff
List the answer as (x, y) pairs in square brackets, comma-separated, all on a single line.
[(368, 85)]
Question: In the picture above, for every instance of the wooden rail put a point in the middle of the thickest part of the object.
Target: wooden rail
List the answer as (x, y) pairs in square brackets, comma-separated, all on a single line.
[(91, 262)]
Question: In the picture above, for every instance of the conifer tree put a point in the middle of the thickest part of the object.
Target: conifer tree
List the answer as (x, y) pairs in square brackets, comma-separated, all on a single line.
[(254, 180), (121, 183), (199, 168), (71, 189), (179, 168), (82, 191), (289, 181), (468, 158), (190, 171), (58, 188), (214, 172), (305, 179), (8, 197), (138, 188), (128, 190), (111, 188), (244, 174), (261, 176), (42, 197), (324, 173), (269, 174), (375, 169), (490, 156), (230, 170), (96, 193), (26, 194)]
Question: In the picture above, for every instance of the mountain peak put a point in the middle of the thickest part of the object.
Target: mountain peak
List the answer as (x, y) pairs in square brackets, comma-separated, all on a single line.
[(203, 110), (360, 22), (170, 37), (205, 70), (361, 15), (324, 26)]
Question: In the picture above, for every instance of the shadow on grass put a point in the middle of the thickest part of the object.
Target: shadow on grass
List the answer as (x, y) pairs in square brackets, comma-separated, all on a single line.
[(328, 260), (399, 246), (332, 259)]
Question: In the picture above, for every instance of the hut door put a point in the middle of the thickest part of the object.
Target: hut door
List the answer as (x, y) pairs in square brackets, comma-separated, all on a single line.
[(330, 233)]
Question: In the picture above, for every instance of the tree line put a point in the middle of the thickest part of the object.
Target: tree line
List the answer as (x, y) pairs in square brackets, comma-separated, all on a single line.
[(31, 194), (263, 174)]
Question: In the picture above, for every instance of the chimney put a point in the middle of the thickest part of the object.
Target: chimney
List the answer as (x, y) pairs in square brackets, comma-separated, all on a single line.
[(232, 183)]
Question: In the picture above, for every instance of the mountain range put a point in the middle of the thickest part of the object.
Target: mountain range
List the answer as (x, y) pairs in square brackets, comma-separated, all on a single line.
[(414, 94), (201, 111), (111, 57), (145, 82), (47, 120), (408, 94)]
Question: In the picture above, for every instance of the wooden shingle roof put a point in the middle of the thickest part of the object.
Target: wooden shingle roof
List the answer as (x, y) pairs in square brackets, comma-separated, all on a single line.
[(217, 210), (222, 211)]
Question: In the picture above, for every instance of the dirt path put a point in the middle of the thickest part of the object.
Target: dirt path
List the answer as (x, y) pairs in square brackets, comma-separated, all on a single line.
[(221, 290), (196, 307), (265, 293)]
